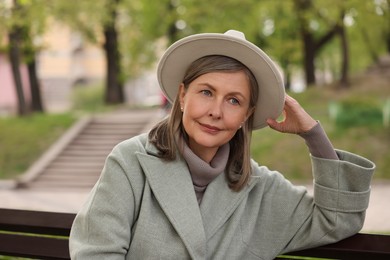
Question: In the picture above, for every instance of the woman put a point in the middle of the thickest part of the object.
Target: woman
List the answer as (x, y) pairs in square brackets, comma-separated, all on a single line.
[(189, 190)]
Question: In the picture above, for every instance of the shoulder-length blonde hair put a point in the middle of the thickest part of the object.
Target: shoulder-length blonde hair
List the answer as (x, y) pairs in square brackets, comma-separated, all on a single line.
[(238, 168)]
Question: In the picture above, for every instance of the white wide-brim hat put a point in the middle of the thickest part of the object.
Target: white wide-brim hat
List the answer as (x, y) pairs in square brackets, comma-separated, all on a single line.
[(179, 56)]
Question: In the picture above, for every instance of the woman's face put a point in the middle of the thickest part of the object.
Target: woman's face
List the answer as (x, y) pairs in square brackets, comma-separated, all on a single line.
[(214, 106)]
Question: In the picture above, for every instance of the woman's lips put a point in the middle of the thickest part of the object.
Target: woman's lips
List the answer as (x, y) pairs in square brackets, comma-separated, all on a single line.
[(209, 128)]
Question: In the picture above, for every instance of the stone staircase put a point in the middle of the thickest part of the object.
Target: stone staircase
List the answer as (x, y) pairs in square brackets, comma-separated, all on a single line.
[(77, 161)]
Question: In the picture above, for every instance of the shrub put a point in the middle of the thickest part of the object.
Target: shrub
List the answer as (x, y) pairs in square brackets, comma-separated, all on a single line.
[(356, 112)]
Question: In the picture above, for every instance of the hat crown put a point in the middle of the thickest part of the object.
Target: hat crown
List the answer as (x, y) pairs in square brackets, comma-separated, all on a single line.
[(236, 34)]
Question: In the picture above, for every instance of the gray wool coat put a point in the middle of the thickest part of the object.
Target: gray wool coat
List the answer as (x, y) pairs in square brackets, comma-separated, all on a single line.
[(145, 208)]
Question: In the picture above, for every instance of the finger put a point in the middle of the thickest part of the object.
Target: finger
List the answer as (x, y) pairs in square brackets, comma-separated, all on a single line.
[(272, 123), (290, 103), (275, 125)]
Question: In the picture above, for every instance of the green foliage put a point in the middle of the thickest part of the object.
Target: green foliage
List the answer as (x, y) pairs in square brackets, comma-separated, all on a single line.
[(23, 140), (273, 25), (29, 16), (141, 27), (219, 16), (85, 17), (358, 113), (279, 34)]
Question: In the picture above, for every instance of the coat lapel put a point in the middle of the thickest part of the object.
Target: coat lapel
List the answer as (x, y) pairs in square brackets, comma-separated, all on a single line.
[(219, 203), (172, 186)]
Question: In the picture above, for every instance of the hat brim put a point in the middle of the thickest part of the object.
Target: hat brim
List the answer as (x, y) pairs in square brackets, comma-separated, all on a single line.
[(179, 56)]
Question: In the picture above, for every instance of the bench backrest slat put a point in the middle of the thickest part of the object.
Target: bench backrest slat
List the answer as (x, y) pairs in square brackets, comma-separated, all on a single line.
[(39, 222), (33, 247)]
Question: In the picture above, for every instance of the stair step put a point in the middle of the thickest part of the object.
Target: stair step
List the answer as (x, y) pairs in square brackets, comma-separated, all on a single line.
[(68, 179), (88, 148), (63, 185), (67, 172), (84, 158), (112, 138), (80, 163), (85, 152)]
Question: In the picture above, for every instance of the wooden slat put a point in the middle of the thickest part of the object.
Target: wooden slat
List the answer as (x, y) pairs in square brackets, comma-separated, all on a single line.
[(38, 222), (34, 247)]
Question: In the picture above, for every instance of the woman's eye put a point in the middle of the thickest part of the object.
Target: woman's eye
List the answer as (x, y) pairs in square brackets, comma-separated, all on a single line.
[(234, 101), (206, 92)]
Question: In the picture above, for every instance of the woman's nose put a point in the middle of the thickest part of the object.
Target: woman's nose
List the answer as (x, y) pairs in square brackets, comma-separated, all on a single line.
[(216, 110)]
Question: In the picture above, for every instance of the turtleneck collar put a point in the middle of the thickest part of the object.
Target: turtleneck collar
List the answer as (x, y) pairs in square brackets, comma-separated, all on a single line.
[(202, 173)]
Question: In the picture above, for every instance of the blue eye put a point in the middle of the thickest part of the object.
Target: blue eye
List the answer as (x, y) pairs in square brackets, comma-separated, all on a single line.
[(234, 101), (206, 92)]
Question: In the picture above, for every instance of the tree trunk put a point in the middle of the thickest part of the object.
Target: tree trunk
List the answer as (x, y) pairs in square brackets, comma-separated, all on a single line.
[(114, 86), (309, 57), (287, 84), (311, 46), (36, 101), (301, 7), (344, 81), (14, 57)]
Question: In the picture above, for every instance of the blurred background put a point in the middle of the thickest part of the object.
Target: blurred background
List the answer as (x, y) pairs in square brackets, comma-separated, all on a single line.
[(63, 59)]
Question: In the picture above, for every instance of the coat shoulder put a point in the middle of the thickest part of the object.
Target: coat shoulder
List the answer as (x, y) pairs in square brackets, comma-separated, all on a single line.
[(127, 149)]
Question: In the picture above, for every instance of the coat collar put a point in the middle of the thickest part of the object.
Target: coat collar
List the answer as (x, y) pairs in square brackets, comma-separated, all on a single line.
[(172, 186), (219, 203)]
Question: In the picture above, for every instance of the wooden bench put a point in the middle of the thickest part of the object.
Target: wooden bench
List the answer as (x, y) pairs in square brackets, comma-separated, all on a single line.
[(35, 234), (44, 235)]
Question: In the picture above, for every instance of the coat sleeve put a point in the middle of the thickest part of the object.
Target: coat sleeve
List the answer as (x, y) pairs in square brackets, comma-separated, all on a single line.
[(341, 197), (102, 228)]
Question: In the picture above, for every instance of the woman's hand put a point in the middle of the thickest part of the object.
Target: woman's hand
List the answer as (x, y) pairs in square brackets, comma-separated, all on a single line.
[(296, 119)]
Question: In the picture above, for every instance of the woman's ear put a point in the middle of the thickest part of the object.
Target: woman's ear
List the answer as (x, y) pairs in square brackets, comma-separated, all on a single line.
[(182, 93)]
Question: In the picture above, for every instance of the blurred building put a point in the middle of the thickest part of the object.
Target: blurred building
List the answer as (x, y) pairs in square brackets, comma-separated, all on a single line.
[(65, 61)]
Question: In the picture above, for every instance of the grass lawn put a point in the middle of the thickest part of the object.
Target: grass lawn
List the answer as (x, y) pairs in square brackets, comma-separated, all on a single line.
[(23, 140)]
